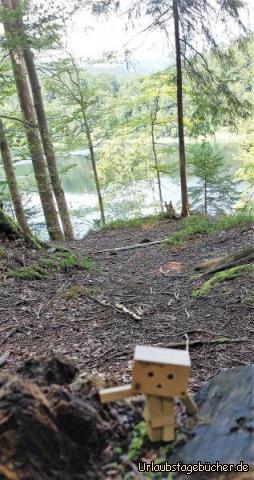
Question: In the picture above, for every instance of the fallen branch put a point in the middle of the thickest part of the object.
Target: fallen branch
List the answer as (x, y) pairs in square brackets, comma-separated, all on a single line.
[(131, 247), (117, 306), (10, 334), (123, 309), (4, 357), (218, 341)]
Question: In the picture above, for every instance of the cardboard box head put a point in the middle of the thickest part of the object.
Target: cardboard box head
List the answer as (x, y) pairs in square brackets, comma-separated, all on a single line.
[(162, 372)]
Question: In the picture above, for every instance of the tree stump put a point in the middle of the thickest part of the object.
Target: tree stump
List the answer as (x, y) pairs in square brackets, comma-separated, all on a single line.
[(224, 430), (52, 428)]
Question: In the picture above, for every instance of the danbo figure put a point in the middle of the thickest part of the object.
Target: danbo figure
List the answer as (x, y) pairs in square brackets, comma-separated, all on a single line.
[(160, 374)]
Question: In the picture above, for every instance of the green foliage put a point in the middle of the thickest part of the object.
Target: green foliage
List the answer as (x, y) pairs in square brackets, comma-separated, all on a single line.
[(192, 226), (246, 174), (215, 190), (139, 435), (134, 222), (86, 263), (221, 277), (68, 262)]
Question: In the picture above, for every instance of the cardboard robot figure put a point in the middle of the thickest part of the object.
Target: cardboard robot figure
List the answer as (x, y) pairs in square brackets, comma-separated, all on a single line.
[(160, 374)]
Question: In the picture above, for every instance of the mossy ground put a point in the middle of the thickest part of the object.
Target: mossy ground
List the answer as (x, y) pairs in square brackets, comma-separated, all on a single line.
[(221, 277), (79, 291), (48, 266)]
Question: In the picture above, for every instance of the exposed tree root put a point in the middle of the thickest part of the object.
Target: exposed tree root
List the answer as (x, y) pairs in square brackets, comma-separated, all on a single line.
[(215, 341)]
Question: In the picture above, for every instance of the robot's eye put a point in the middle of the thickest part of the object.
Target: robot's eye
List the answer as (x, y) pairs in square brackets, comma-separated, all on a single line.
[(170, 376), (159, 386), (150, 374)]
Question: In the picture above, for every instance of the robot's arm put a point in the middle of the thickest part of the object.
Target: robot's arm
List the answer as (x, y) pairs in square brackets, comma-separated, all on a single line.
[(116, 393)]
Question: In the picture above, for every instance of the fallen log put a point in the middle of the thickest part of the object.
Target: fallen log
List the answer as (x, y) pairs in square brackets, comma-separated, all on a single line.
[(224, 428), (214, 265)]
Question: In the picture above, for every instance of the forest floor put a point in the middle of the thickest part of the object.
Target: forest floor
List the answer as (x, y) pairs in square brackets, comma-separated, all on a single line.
[(65, 313), (72, 310)]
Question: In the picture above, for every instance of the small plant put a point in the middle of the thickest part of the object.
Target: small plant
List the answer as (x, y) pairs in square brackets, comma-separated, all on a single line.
[(139, 436), (68, 261), (86, 263), (79, 291), (2, 252)]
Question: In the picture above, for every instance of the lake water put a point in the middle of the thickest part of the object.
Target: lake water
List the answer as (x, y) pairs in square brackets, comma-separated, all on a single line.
[(82, 200)]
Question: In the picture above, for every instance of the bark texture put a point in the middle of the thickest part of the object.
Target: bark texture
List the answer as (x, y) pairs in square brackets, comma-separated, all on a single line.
[(12, 181), (44, 130), (47, 145), (94, 167), (224, 427), (182, 161), (33, 138)]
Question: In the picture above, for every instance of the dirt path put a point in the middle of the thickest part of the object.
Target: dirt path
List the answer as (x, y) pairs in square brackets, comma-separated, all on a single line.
[(38, 317)]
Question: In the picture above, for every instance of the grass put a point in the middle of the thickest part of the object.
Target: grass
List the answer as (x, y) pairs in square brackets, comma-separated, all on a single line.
[(68, 261), (79, 291), (86, 263), (134, 222), (221, 277), (192, 226)]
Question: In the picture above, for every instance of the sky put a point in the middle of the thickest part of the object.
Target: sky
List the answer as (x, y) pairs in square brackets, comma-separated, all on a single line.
[(111, 35)]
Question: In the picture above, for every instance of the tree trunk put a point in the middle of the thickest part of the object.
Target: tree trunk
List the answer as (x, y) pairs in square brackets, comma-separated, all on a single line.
[(93, 160), (47, 145), (156, 166), (223, 428), (33, 139), (182, 163), (12, 181), (205, 191), (44, 132)]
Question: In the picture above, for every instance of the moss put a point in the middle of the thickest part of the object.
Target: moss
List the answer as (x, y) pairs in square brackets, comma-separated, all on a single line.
[(221, 277), (2, 252), (64, 254), (34, 272)]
